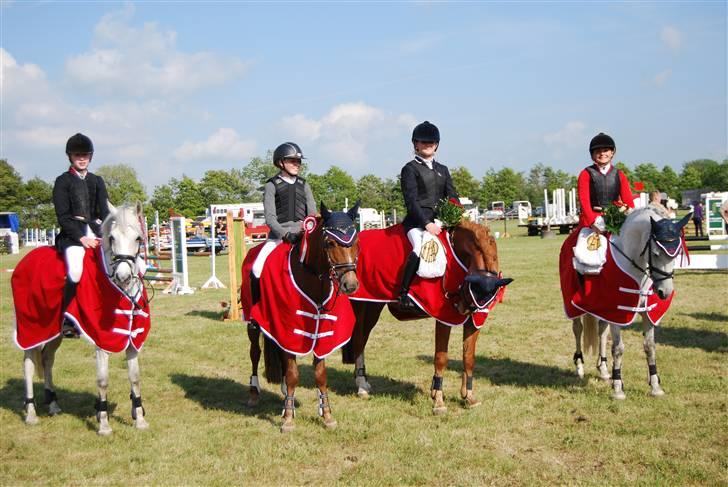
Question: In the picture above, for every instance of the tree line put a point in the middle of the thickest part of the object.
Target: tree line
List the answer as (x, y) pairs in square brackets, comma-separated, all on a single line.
[(32, 199)]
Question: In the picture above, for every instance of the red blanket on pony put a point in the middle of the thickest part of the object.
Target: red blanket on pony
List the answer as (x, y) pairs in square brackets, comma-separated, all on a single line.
[(288, 316), (381, 259), (612, 295), (106, 316)]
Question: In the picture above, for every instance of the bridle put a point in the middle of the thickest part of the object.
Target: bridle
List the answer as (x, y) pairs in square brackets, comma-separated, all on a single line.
[(465, 293), (650, 270), (131, 261)]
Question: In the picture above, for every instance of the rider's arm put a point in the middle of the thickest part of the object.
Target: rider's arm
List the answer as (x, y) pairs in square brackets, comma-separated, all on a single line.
[(624, 192), (310, 201), (408, 182), (584, 189), (269, 208)]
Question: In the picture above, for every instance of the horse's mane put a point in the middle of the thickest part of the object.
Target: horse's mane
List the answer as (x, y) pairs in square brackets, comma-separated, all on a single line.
[(650, 210), (123, 218), (481, 233)]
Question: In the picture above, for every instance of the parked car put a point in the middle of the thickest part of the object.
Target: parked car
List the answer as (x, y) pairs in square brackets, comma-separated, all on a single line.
[(493, 214)]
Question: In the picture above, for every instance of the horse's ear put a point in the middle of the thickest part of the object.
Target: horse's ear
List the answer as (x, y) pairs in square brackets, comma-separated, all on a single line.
[(503, 282), (354, 210), (112, 208), (684, 221), (325, 213)]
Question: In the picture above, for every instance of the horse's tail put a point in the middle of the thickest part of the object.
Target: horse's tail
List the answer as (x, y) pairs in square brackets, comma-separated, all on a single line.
[(590, 340), (272, 355)]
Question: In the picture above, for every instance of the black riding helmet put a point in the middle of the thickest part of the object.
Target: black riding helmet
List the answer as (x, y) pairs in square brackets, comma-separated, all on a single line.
[(601, 141), (287, 150), (79, 143), (426, 132)]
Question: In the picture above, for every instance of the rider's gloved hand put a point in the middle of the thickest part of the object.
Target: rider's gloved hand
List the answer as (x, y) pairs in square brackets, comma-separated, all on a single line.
[(292, 237)]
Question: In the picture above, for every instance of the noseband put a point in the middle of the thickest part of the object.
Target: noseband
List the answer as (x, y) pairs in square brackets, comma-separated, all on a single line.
[(465, 291), (649, 270), (346, 236)]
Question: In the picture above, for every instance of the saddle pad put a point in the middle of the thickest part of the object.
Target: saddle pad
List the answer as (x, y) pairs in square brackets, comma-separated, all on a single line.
[(292, 319), (613, 295), (104, 314), (379, 270)]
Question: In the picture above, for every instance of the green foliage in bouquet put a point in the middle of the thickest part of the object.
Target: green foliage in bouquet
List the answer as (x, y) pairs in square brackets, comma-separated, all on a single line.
[(613, 218), (450, 212)]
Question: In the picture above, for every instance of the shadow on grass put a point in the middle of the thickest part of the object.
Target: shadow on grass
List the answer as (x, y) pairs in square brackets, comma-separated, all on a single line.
[(710, 341), (512, 372), (211, 315), (78, 404), (722, 317)]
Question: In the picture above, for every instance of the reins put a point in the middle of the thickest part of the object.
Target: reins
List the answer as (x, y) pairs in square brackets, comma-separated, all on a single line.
[(649, 270)]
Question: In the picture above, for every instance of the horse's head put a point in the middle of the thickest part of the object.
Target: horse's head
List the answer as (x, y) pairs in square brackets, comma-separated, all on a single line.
[(122, 242), (475, 247), (340, 242), (652, 242)]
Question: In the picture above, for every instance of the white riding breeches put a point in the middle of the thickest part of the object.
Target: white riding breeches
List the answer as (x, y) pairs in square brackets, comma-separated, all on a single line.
[(415, 238), (265, 251), (74, 258)]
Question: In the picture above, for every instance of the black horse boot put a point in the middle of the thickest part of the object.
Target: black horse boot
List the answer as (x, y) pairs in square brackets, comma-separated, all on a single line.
[(254, 289), (410, 267), (68, 329)]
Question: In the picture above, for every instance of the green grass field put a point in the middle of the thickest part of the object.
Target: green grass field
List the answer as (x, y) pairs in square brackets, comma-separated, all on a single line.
[(538, 424)]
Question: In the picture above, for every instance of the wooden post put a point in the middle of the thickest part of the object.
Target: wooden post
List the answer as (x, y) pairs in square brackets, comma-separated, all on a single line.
[(236, 254)]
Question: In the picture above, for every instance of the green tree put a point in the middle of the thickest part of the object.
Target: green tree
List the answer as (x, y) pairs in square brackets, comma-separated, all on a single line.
[(505, 185), (231, 186), (163, 200), (465, 184), (690, 178), (333, 187), (188, 198), (626, 170), (122, 184), (257, 172), (38, 211), (670, 182), (372, 191), (12, 190), (649, 175)]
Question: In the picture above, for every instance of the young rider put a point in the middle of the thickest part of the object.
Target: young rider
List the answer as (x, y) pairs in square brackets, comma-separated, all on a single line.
[(601, 184), (424, 183), (287, 200), (81, 203)]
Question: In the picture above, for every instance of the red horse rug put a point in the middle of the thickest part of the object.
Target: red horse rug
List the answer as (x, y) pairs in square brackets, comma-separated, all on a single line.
[(288, 316), (379, 270), (105, 315), (612, 295)]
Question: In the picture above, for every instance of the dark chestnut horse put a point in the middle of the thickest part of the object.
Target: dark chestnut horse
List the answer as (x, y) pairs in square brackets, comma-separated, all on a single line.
[(470, 288), (301, 308)]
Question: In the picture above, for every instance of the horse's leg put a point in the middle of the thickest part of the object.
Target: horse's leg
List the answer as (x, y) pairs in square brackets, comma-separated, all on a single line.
[(442, 338), (49, 356), (254, 390), (137, 410), (648, 330), (31, 416), (578, 328), (470, 339), (367, 315), (602, 361), (289, 403), (617, 352), (102, 381), (324, 407)]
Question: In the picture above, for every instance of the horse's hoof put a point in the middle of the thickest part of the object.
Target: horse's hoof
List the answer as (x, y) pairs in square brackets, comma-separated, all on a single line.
[(253, 402), (580, 372), (362, 393), (141, 424), (657, 392), (54, 409), (31, 420), (287, 427), (104, 431), (471, 403), (439, 410), (331, 424)]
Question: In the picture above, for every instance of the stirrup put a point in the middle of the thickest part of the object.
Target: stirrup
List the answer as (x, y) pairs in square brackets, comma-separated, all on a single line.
[(68, 330)]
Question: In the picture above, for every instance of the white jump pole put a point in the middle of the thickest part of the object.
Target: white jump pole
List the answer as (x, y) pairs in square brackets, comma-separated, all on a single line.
[(546, 204), (213, 281)]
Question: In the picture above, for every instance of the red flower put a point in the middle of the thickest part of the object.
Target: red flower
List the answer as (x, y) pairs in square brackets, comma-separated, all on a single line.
[(639, 186), (455, 202)]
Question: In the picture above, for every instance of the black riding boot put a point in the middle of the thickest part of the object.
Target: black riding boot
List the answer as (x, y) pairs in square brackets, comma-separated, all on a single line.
[(410, 267), (254, 289), (69, 291)]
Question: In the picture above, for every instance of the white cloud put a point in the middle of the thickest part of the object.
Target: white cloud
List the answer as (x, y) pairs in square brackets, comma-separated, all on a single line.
[(661, 77), (344, 133), (419, 44), (571, 134), (223, 145), (672, 37), (144, 61)]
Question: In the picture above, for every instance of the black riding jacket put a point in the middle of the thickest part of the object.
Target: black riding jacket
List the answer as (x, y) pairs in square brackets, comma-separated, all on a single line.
[(423, 188), (79, 202)]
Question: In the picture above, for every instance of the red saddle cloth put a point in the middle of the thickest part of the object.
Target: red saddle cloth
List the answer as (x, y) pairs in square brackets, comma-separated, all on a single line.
[(612, 295), (288, 316), (101, 310), (379, 270)]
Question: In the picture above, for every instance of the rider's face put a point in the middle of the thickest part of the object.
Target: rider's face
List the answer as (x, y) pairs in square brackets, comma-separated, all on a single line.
[(80, 160), (425, 149), (291, 166), (602, 156)]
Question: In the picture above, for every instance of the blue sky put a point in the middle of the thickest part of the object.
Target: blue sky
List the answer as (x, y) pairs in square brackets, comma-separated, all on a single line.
[(184, 87)]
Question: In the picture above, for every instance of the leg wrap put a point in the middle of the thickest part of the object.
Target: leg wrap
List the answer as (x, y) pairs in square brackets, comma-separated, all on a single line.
[(578, 356), (254, 384), (602, 360), (29, 400), (289, 403), (469, 382), (323, 403), (50, 396), (436, 383), (136, 402), (360, 372), (653, 369), (616, 374)]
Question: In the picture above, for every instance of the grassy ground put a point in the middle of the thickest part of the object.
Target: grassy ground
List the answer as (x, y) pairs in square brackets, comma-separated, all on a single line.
[(538, 423)]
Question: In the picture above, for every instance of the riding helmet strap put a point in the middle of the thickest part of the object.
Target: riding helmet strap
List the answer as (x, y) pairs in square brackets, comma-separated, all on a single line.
[(616, 374), (578, 356), (436, 383), (323, 403), (289, 403), (136, 402), (50, 396)]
